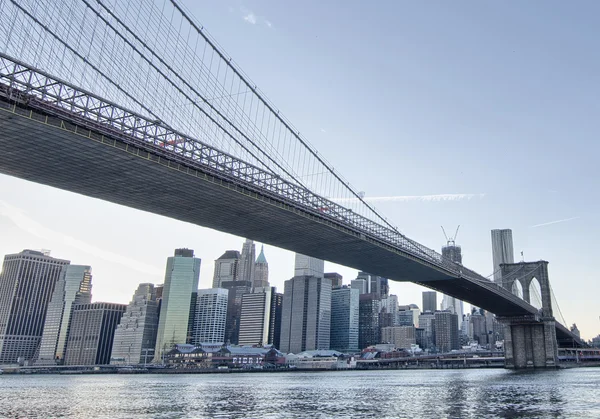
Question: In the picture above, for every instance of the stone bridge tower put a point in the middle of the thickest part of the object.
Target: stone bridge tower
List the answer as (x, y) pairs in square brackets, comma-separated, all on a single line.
[(529, 341)]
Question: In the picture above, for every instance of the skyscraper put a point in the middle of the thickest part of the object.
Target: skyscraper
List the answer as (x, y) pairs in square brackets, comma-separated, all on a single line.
[(181, 281), (427, 324), (255, 317), (374, 284), (26, 285), (309, 266), (135, 336), (211, 315), (446, 331), (429, 301), (336, 279), (502, 251), (247, 260), (73, 287), (275, 319), (361, 284), (306, 313), (453, 252), (344, 319), (236, 290), (369, 328), (389, 311), (261, 270), (91, 333), (226, 268)]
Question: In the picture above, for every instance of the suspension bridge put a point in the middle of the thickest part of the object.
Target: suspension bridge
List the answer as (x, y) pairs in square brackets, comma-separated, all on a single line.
[(134, 103)]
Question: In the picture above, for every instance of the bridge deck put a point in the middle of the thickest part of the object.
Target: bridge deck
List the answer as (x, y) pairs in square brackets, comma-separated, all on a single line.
[(57, 153)]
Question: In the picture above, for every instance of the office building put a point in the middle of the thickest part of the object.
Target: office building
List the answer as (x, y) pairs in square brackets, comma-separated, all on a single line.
[(261, 270), (369, 329), (236, 290), (181, 281), (430, 301), (255, 317), (135, 336), (309, 266), (478, 329), (275, 319), (211, 316), (446, 331), (73, 287), (247, 261), (344, 319), (502, 251), (389, 311), (360, 284), (453, 252), (405, 318), (226, 268), (92, 332), (455, 306), (27, 282), (374, 284), (306, 311), (335, 278), (401, 336), (427, 324)]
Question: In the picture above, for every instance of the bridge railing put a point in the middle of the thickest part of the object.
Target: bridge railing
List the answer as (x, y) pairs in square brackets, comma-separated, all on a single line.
[(54, 96)]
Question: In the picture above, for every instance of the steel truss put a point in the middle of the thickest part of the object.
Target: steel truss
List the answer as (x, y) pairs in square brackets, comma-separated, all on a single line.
[(27, 85)]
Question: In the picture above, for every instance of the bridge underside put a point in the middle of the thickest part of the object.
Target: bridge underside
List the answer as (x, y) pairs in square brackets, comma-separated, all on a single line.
[(53, 152)]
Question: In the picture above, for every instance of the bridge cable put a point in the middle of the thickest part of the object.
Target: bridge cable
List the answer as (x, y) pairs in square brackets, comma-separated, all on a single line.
[(266, 103), (188, 85)]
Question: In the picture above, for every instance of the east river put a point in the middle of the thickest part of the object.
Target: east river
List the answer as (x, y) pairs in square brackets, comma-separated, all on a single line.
[(496, 393)]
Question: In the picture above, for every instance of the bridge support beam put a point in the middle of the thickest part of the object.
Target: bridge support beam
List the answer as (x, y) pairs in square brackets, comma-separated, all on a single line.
[(529, 342)]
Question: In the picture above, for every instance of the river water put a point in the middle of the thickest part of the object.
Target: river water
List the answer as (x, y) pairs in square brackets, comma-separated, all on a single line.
[(471, 393)]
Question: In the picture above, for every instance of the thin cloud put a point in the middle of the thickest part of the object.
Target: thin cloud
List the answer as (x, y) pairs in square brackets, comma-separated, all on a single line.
[(253, 19), (250, 18), (322, 130), (33, 227), (415, 198), (554, 222)]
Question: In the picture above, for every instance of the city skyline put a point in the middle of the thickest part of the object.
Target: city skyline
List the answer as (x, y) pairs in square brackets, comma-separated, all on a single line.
[(493, 95)]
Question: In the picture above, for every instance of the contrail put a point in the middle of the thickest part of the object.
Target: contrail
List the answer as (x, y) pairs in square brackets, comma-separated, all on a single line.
[(419, 198), (33, 227), (554, 222)]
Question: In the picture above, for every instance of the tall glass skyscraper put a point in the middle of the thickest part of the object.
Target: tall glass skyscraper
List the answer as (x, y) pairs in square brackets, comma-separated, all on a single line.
[(26, 285), (344, 319), (181, 281), (502, 251), (73, 287), (135, 337)]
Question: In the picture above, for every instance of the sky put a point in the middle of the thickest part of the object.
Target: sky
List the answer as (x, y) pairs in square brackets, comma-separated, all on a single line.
[(478, 114)]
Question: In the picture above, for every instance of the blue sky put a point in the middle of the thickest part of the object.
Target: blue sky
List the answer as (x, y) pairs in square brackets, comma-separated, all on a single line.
[(498, 99)]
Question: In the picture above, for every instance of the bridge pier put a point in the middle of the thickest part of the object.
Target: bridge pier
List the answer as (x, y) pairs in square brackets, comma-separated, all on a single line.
[(530, 341)]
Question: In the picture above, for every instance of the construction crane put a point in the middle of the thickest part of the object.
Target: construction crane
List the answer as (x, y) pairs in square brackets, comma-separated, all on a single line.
[(450, 239)]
